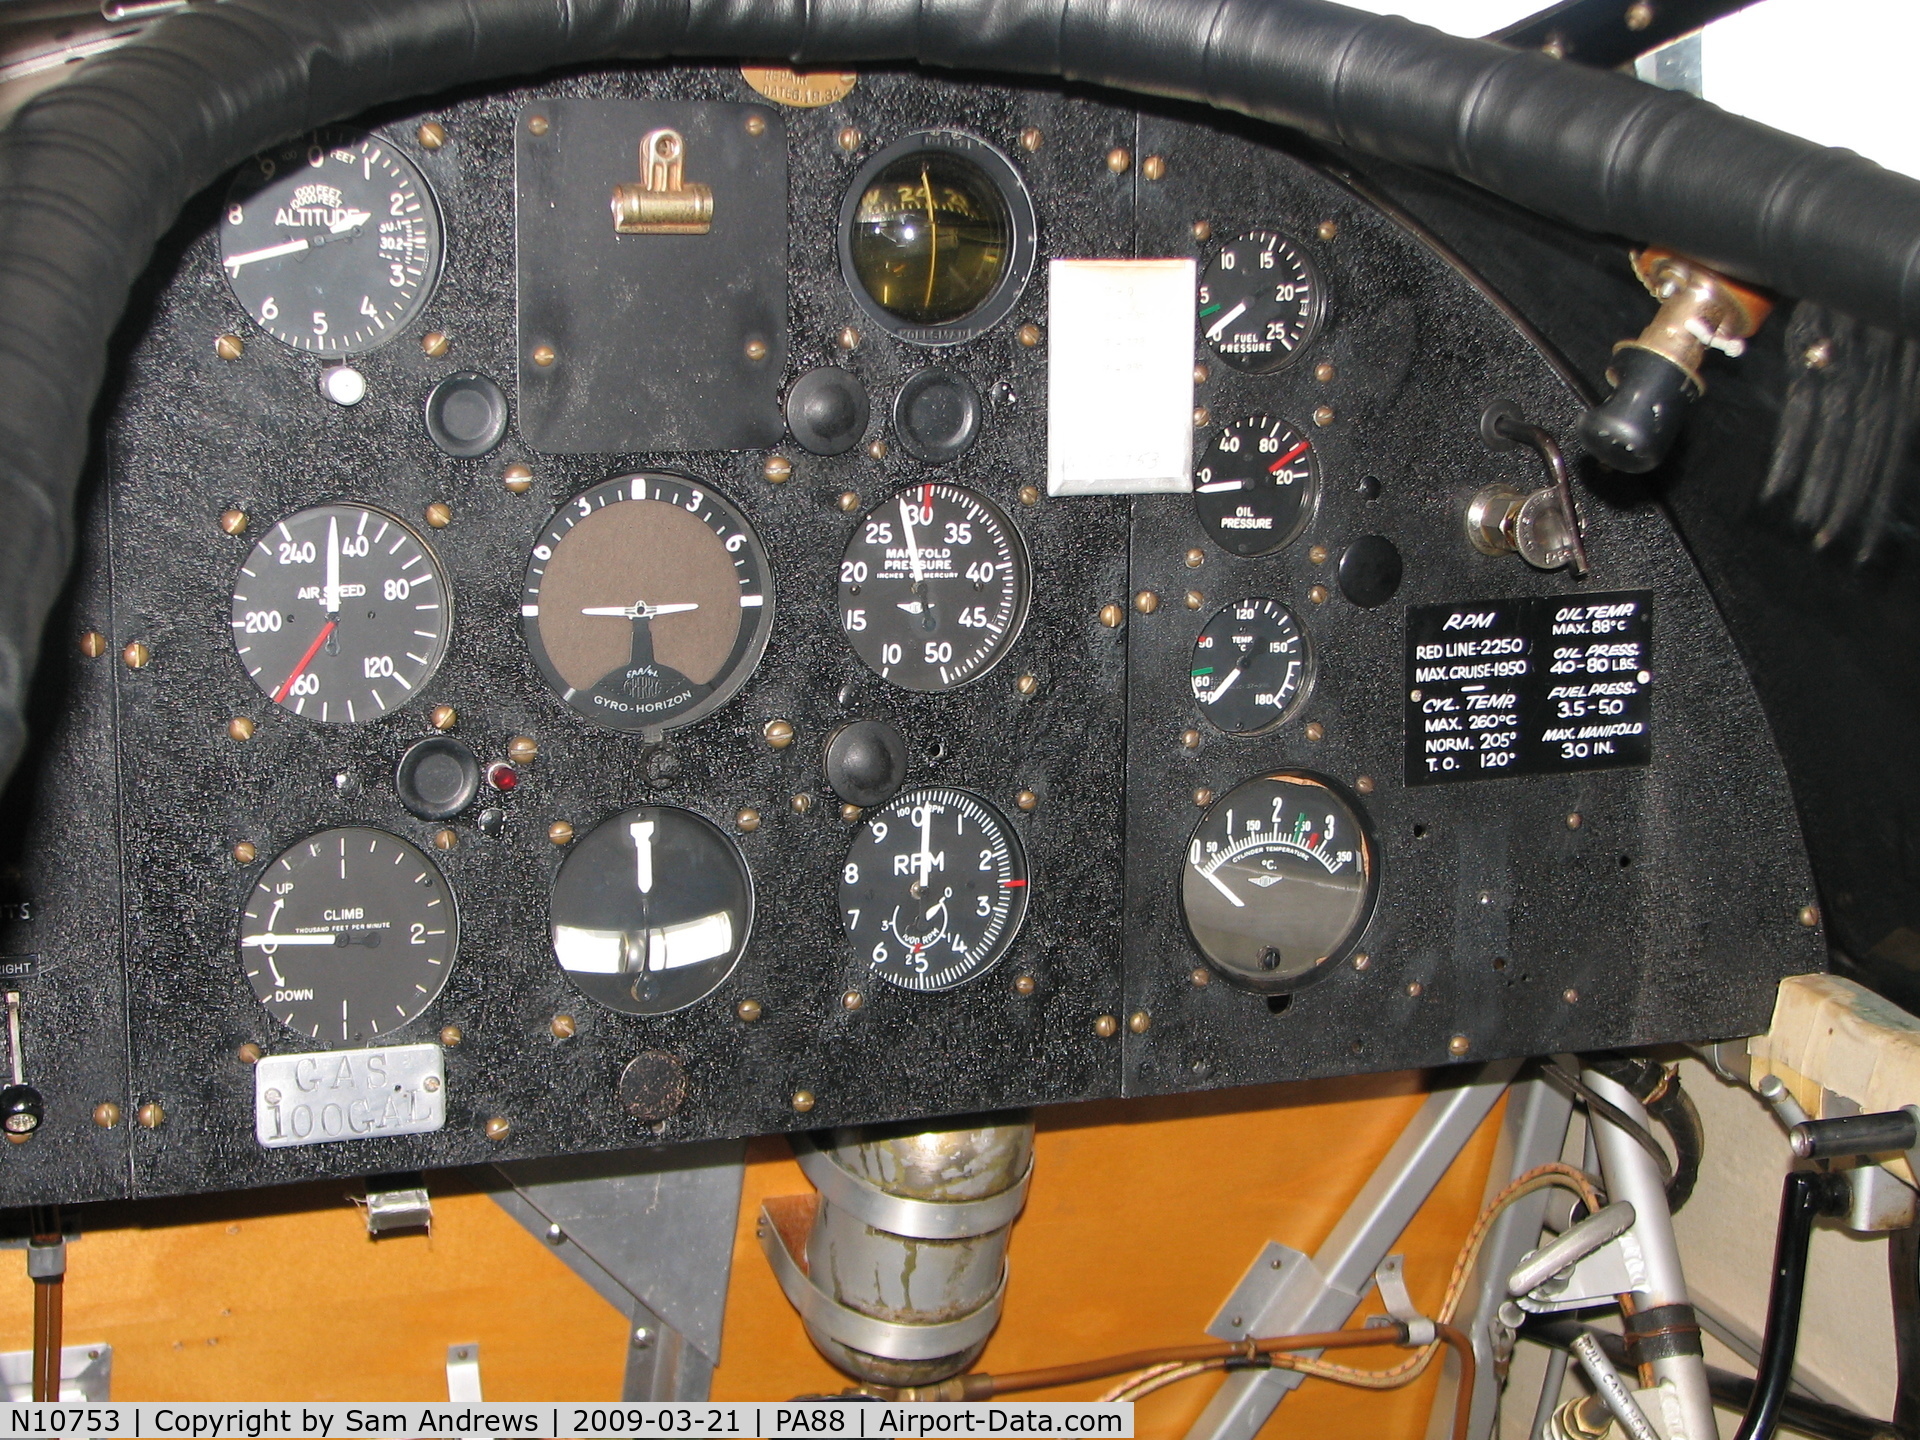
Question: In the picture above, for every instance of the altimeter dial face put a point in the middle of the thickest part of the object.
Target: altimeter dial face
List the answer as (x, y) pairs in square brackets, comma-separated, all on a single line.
[(331, 243), (1252, 666), (934, 587), (348, 935), (934, 889)]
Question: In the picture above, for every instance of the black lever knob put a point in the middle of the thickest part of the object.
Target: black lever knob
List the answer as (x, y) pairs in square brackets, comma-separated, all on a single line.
[(1634, 427), (1885, 1132)]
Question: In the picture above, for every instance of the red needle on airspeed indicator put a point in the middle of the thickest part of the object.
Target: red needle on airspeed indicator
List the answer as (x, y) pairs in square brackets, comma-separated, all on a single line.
[(305, 660), (1287, 459)]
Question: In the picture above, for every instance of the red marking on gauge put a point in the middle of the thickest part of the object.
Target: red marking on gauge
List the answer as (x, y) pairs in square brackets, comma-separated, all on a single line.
[(305, 660), (1287, 459), (1012, 884)]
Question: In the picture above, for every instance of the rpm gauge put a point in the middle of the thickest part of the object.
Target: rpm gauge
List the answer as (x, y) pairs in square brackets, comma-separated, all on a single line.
[(331, 243), (647, 603), (1256, 487), (1252, 666), (1279, 880), (341, 613), (348, 935), (1261, 301), (934, 587), (934, 889)]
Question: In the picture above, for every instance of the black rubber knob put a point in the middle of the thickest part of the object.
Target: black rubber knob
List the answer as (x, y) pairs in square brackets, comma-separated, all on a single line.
[(866, 762), (437, 778), (1370, 571), (937, 415), (467, 415), (827, 410), (1845, 1136), (21, 1109), (1634, 427)]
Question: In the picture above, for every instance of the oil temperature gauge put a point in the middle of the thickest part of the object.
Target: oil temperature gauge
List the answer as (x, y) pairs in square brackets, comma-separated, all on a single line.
[(1252, 666), (1279, 880)]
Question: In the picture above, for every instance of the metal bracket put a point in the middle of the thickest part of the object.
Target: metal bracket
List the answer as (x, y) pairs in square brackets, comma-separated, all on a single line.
[(1617, 1266), (463, 1374), (86, 1374), (400, 1202), (1391, 1278), (899, 1215)]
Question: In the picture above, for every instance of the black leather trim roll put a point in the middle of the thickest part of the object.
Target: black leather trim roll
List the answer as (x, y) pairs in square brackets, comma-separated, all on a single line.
[(93, 171)]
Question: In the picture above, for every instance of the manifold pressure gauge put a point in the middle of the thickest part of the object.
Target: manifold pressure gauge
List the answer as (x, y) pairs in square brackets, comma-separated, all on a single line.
[(1279, 880), (934, 889), (934, 587), (348, 935), (1257, 485), (341, 613), (1261, 302), (647, 603), (1252, 666), (651, 910), (332, 242)]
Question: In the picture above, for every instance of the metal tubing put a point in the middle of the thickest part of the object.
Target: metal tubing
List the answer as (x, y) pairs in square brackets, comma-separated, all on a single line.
[(1632, 1176), (1550, 1386), (1613, 1389)]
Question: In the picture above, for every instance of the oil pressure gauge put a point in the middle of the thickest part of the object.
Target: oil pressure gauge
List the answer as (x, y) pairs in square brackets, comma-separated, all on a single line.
[(1261, 302), (1256, 487)]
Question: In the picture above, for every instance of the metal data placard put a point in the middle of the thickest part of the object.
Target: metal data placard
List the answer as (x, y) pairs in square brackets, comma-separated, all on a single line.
[(348, 1095)]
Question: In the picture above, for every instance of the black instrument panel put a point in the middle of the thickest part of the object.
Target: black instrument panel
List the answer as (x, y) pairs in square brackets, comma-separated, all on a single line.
[(1664, 897)]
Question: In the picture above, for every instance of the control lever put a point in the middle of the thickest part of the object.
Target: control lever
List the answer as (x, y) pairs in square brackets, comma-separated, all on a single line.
[(1600, 1228), (21, 1108), (1542, 528)]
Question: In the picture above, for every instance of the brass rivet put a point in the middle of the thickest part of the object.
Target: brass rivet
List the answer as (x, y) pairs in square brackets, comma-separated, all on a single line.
[(848, 502), (1031, 139), (240, 728), (1573, 821), (562, 1027), (543, 355), (1459, 1045), (1323, 372), (1317, 554), (136, 655), (852, 1000), (1195, 599), (432, 135), (1154, 167), (1201, 374), (1323, 415), (1139, 1022), (1570, 995), (1203, 797), (748, 1010), (803, 1100), (1202, 231), (1201, 415), (1028, 335), (234, 522), (756, 124), (229, 347), (1026, 799), (1809, 915), (1111, 615), (517, 478), (560, 832), (1146, 602), (1024, 985), (1029, 494), (434, 342), (445, 840), (1362, 960), (1318, 594), (1028, 685), (93, 644), (248, 1054), (1414, 988), (537, 124), (1200, 976), (779, 733), (1196, 557), (1639, 15), (1316, 731), (1106, 1027), (1818, 355), (1118, 160), (443, 717), (439, 514), (801, 803), (151, 1115), (1326, 230), (1364, 784), (451, 1036), (876, 449), (106, 1115), (522, 749), (849, 338), (497, 1128), (756, 349), (1189, 739), (244, 853), (748, 820), (850, 138), (851, 813)]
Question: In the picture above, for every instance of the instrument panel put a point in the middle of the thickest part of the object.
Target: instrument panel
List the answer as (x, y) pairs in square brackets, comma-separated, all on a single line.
[(572, 583)]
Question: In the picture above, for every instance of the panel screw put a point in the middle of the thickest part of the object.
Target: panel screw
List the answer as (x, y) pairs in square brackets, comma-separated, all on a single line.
[(1326, 230), (1201, 415), (443, 717), (439, 514), (850, 138), (234, 522), (517, 478), (1146, 602), (748, 1010), (556, 1235), (1106, 1027), (848, 502), (1118, 160), (779, 733), (543, 355), (1200, 976), (1111, 615), (445, 840), (240, 728), (756, 124), (876, 449), (1316, 731), (849, 338), (562, 1027), (1024, 985), (1323, 372), (1026, 800), (93, 644), (1362, 960), (852, 1000), (1415, 988), (803, 1100), (560, 832), (431, 1084), (1809, 915), (432, 135), (151, 1115), (1201, 374), (229, 347), (1139, 1022), (1323, 415), (1818, 355), (136, 655), (1029, 335), (1459, 1045), (1318, 594), (1570, 995), (451, 1036), (1027, 685), (434, 342), (106, 1115), (1029, 494), (1317, 554), (244, 853), (1031, 139), (851, 814), (801, 804), (537, 124), (1190, 739), (642, 1337), (1573, 821), (1154, 167), (1364, 784), (497, 1128), (1203, 797), (521, 749), (1639, 15), (1202, 231), (1196, 557), (748, 820), (248, 1054), (756, 349)]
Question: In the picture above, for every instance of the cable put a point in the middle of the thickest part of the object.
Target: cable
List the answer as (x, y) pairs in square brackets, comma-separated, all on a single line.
[(1606, 1110)]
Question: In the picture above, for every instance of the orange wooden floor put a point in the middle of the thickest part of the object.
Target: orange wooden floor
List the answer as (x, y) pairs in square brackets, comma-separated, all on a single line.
[(1141, 1217)]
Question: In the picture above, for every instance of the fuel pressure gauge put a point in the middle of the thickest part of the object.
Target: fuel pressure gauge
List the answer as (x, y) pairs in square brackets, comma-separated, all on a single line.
[(1261, 301)]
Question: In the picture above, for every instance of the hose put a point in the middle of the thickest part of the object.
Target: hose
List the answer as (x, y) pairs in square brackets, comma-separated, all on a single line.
[(96, 169), (1658, 1087)]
